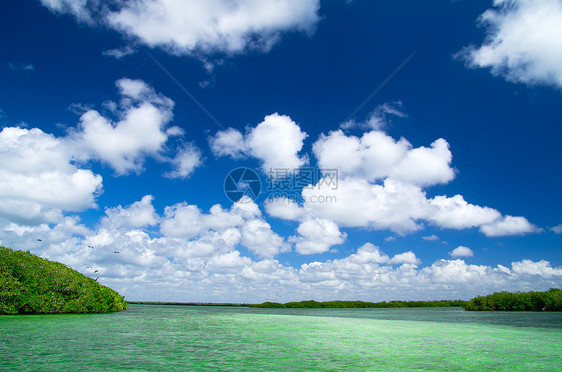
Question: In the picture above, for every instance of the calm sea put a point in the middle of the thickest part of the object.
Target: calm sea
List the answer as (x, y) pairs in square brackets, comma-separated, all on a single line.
[(166, 338)]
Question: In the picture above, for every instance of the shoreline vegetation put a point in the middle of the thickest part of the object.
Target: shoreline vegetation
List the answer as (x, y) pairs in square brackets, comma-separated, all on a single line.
[(33, 285), (311, 304), (188, 303), (550, 300)]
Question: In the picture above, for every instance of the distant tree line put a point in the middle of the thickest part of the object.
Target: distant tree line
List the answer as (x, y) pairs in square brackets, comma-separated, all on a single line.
[(360, 304), (185, 303), (550, 300), (34, 285)]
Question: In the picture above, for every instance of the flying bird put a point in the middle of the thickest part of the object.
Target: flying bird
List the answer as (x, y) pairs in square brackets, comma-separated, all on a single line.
[(90, 247), (116, 252), (95, 280), (96, 271), (39, 240)]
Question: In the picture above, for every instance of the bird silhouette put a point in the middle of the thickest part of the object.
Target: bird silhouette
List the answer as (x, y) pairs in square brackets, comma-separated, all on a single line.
[(90, 247), (96, 271), (39, 240), (116, 252), (95, 280)]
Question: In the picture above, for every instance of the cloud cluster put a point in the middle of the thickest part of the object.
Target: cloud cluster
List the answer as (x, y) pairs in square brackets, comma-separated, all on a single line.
[(317, 236), (190, 26), (400, 207), (207, 262), (381, 185), (38, 179), (188, 221), (523, 43), (43, 176), (276, 142), (399, 203), (376, 156), (139, 132)]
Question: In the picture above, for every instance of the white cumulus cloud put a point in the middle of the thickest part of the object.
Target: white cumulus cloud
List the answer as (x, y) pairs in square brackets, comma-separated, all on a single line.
[(38, 179), (455, 213), (191, 26), (509, 225), (139, 214), (405, 258), (461, 251), (523, 43), (376, 156), (259, 238), (140, 131), (229, 142), (540, 268), (317, 236), (276, 141), (187, 158)]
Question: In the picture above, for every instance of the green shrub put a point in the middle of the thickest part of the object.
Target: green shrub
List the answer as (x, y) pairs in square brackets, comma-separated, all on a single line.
[(550, 300), (34, 285)]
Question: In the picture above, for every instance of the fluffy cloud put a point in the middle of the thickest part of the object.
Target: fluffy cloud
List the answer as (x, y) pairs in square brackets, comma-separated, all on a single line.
[(461, 251), (258, 237), (557, 229), (522, 42), (78, 8), (276, 141), (187, 221), (456, 213), (139, 132), (405, 258), (229, 142), (540, 268), (376, 156), (509, 225), (317, 236), (137, 215), (38, 180), (186, 160), (393, 205), (369, 252), (189, 26), (432, 237), (243, 218), (284, 208)]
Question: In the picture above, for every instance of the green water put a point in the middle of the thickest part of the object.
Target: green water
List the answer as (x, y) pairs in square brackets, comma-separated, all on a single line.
[(148, 337)]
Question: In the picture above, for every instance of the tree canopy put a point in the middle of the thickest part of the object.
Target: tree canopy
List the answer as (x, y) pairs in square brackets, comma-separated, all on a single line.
[(550, 300), (34, 285)]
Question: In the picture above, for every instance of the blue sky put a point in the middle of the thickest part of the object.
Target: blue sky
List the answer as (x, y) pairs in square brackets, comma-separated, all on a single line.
[(120, 124)]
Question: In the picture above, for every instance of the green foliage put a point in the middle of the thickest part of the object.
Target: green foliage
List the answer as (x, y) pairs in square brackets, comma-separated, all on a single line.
[(550, 300), (359, 304), (33, 285)]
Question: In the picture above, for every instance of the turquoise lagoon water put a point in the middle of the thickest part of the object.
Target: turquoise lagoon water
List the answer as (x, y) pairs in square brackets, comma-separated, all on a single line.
[(166, 338)]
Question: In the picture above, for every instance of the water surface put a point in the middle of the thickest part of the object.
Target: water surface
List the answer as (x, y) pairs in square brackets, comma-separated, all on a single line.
[(150, 337)]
